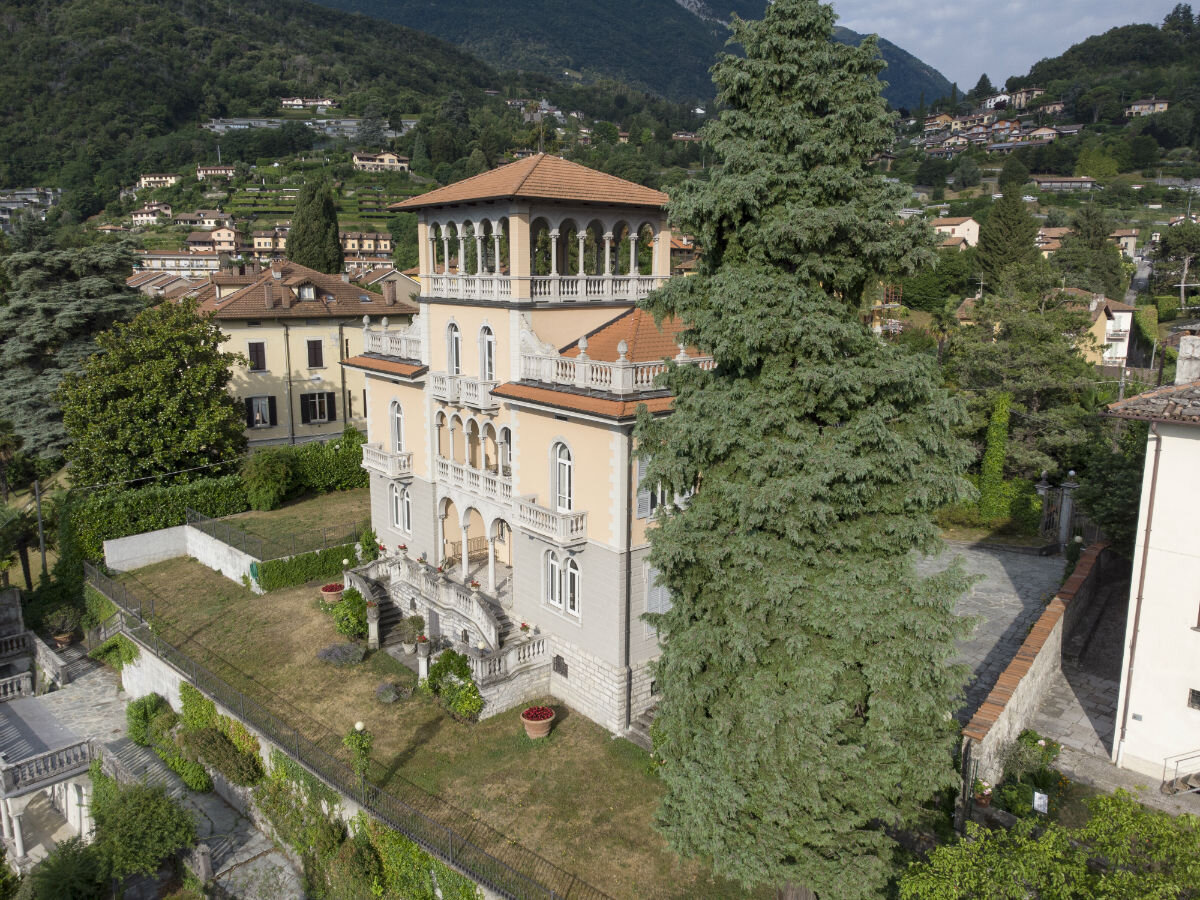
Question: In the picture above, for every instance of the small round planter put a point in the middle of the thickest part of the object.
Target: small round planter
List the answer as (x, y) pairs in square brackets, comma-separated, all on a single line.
[(334, 595), (983, 800), (537, 728), (63, 641), (407, 647), (423, 648)]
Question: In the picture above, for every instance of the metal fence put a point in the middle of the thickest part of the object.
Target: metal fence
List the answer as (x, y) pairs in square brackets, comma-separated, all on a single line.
[(262, 548), (504, 866)]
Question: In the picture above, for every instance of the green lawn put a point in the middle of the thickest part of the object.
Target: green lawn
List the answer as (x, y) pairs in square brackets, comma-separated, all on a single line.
[(305, 524)]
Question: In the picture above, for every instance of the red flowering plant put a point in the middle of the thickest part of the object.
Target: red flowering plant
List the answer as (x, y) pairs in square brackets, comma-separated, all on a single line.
[(402, 547), (332, 588), (421, 639), (524, 628), (538, 714), (474, 584)]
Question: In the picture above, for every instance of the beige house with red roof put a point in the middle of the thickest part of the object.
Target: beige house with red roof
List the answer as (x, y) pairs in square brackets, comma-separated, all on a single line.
[(959, 231), (500, 434)]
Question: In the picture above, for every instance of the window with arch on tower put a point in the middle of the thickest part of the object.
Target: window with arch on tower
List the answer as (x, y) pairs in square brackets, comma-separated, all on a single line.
[(564, 583), (563, 478), (401, 508), (487, 354), (397, 424), (453, 349)]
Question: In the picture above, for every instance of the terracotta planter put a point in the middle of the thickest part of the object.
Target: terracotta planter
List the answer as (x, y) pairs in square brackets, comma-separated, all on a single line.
[(983, 800), (537, 729), (331, 596), (62, 641)]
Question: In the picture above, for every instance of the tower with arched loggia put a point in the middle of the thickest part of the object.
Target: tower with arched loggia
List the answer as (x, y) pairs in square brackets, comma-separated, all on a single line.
[(504, 479)]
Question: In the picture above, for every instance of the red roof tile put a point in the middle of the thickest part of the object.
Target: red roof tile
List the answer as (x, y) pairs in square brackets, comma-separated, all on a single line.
[(384, 366), (577, 402), (646, 341)]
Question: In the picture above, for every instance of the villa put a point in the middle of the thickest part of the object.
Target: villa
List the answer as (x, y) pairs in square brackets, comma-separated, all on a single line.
[(505, 480)]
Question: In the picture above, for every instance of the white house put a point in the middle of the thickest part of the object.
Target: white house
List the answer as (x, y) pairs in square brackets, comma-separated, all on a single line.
[(953, 227), (1158, 708)]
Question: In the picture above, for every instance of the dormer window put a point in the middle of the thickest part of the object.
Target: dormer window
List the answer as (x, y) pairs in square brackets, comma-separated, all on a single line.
[(308, 292)]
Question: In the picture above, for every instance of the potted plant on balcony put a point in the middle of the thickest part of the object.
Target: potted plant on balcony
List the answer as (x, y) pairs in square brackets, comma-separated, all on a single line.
[(410, 628), (524, 628), (61, 622), (473, 585), (423, 645), (983, 793), (537, 721), (332, 593)]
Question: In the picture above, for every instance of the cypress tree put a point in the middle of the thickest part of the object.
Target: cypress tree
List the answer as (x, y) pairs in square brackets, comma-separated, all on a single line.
[(1008, 237), (807, 690), (313, 239)]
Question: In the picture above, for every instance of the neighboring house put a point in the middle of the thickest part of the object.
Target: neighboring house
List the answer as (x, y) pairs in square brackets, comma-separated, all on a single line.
[(187, 263), (358, 243), (1043, 133), (269, 244), (295, 325), (997, 101), (203, 173), (686, 137), (1053, 108), (387, 161), (1022, 98), (963, 227), (937, 122), (1146, 107), (149, 215), (1158, 707), (158, 180), (204, 218), (220, 240), (500, 434), (307, 103), (1049, 240), (1064, 182), (1126, 239), (406, 288), (1112, 327)]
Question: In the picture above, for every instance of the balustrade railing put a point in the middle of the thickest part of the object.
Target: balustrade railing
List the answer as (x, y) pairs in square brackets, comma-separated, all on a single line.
[(393, 343), (46, 768), (19, 685), (385, 462), (542, 287), (621, 377), (15, 644), (444, 387), (477, 481), (490, 667), (435, 587), (561, 527)]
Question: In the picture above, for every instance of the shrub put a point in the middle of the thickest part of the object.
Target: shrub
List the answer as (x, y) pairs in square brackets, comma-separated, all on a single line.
[(368, 543), (117, 652), (269, 476), (414, 627), (991, 479), (198, 710), (98, 609), (214, 748), (158, 731), (350, 616), (191, 772), (275, 574), (103, 516), (333, 466), (62, 619), (73, 870), (355, 872), (342, 655), (390, 692), (448, 663), (299, 808), (139, 714), (1168, 307), (138, 827), (461, 698), (408, 871)]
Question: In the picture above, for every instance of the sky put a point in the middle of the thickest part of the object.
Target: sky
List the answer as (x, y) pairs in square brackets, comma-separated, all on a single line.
[(966, 38)]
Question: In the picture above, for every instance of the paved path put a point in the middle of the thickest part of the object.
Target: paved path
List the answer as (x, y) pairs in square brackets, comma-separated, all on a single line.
[(1078, 710), (1010, 594), (246, 862)]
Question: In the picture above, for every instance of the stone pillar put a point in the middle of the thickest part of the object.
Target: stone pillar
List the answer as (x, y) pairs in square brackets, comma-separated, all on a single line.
[(5, 821), (462, 551), (85, 809), (432, 253), (445, 254), (439, 545), (422, 667), (461, 268), (608, 252), (496, 255), (372, 625), (492, 565), (554, 252), (582, 237), (478, 254), (1067, 509), (18, 837), (633, 242)]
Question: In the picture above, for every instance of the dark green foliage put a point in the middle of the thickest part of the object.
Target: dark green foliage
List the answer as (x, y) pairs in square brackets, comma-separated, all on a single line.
[(355, 870), (342, 655), (269, 475), (350, 616), (967, 174), (295, 804), (153, 400), (103, 516), (1013, 175), (193, 775), (820, 454), (947, 280), (275, 574), (334, 465), (1179, 250), (368, 543), (991, 471), (138, 828), (98, 609), (214, 748), (1007, 237), (52, 304), (138, 715), (1088, 259), (116, 652), (313, 238), (72, 871), (448, 663), (1110, 488)]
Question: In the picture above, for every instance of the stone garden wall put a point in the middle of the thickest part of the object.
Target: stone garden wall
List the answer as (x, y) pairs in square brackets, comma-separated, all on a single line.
[(133, 552)]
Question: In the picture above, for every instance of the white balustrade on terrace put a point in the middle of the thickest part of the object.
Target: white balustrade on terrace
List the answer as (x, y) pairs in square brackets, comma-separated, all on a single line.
[(542, 287), (478, 481), (393, 343), (46, 768), (437, 588), (463, 389), (621, 377), (385, 462), (444, 387), (489, 667), (564, 528), (19, 685)]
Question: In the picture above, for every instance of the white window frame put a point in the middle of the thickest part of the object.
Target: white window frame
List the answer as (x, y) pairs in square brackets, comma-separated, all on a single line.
[(396, 419), (317, 402), (453, 349), (563, 477), (553, 580), (401, 502), (260, 410), (572, 586), (308, 292), (487, 354)]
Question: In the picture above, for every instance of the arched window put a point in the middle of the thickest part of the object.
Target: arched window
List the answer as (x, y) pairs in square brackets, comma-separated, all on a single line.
[(397, 420), (401, 508), (554, 586), (572, 587), (487, 354), (563, 487), (453, 349), (504, 451)]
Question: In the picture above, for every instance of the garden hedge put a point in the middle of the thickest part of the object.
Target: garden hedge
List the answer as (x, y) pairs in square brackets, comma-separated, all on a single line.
[(275, 574)]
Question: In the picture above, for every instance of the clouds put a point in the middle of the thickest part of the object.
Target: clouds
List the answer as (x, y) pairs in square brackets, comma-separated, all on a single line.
[(965, 39)]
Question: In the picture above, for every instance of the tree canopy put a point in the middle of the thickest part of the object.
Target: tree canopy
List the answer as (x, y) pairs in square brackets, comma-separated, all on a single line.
[(313, 238), (1088, 259), (807, 684), (1008, 236), (153, 400)]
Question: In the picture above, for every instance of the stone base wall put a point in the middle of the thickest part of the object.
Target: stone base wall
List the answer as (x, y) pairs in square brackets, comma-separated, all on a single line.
[(591, 686), (643, 698), (520, 690)]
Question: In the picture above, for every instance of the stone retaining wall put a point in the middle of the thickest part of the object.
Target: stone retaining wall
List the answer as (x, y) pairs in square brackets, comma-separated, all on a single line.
[(1012, 703), (129, 553)]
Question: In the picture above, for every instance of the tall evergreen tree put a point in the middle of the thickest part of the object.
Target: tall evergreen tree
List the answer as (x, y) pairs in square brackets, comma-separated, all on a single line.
[(1088, 258), (806, 676), (983, 88), (313, 240), (1008, 236)]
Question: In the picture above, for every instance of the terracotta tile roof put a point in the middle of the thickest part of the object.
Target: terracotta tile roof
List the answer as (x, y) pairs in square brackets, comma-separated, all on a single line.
[(954, 242), (606, 407), (646, 341), (950, 221), (371, 363), (334, 298), (1125, 232), (541, 177), (1177, 403)]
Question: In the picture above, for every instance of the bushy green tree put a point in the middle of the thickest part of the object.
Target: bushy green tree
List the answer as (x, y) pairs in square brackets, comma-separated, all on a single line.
[(138, 828), (1180, 246), (1110, 489), (807, 682), (949, 278), (154, 400), (72, 871), (1087, 257), (1007, 237), (1013, 174), (967, 174), (313, 239)]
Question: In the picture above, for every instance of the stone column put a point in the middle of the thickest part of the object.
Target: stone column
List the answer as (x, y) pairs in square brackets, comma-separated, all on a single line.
[(478, 254), (582, 237), (461, 268), (633, 242), (608, 252), (554, 252), (496, 255), (5, 821), (432, 253), (372, 626), (439, 545), (492, 565), (422, 667), (85, 809), (18, 837), (1067, 509), (462, 553)]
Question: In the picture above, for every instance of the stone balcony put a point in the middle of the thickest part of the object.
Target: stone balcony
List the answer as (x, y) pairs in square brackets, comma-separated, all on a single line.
[(393, 343), (542, 288), (564, 528), (464, 390), (386, 463), (480, 482), (620, 377)]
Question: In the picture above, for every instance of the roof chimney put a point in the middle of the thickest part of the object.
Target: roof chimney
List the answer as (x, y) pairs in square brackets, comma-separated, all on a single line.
[(389, 293), (1187, 369), (269, 295), (346, 277)]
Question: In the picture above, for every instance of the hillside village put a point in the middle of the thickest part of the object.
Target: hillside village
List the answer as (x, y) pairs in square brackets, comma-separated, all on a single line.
[(489, 490)]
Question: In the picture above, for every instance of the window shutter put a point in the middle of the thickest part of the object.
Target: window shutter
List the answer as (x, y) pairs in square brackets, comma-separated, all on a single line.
[(643, 497), (315, 355), (249, 412), (271, 410), (331, 405), (305, 416)]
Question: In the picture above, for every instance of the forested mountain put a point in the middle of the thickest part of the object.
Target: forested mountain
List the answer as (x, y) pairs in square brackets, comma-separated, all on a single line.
[(656, 44), (93, 91)]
